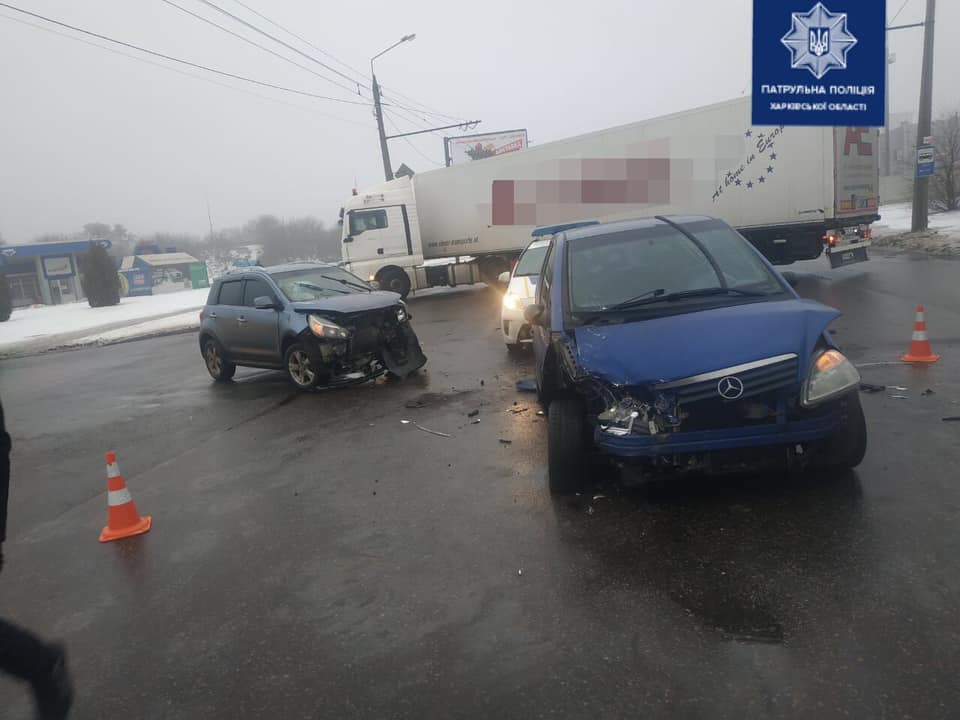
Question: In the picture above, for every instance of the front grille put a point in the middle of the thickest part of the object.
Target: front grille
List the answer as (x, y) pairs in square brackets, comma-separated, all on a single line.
[(760, 377)]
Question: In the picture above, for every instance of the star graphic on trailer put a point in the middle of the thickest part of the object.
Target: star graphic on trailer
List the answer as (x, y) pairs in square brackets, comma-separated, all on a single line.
[(770, 169), (750, 184), (761, 179), (737, 182), (748, 133), (818, 41), (773, 156)]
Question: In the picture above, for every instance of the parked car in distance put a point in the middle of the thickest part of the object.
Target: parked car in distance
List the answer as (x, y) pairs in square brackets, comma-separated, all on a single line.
[(521, 285), (319, 323), (672, 343)]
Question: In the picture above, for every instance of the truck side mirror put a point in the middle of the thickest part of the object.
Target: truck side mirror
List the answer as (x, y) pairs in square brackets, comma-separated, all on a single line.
[(264, 302), (504, 277), (533, 314)]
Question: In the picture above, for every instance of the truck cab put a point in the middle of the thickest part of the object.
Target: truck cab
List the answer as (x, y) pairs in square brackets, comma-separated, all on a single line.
[(381, 237)]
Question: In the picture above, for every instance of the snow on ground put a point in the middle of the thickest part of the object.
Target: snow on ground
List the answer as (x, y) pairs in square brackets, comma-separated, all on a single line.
[(893, 230), (42, 328)]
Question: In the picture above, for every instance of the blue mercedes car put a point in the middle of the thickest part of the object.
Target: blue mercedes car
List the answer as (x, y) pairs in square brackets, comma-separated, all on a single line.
[(672, 343)]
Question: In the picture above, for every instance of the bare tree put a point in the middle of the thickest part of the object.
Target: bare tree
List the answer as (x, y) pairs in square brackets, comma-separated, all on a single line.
[(945, 184)]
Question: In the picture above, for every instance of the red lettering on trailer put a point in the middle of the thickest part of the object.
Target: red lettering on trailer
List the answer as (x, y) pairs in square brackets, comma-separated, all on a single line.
[(855, 137)]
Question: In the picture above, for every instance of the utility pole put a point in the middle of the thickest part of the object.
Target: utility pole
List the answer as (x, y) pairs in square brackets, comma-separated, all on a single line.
[(384, 150), (209, 216), (921, 185)]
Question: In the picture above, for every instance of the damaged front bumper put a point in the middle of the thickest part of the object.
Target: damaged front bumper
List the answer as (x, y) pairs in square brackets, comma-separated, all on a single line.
[(790, 432)]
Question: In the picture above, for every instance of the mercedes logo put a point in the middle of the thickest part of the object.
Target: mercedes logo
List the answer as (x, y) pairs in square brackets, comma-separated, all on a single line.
[(730, 387)]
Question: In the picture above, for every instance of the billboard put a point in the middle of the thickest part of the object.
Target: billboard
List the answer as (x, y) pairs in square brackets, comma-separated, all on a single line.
[(467, 148)]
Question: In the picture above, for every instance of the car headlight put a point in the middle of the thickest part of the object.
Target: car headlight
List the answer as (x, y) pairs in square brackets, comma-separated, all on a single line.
[(831, 374), (402, 314), (511, 302), (322, 327)]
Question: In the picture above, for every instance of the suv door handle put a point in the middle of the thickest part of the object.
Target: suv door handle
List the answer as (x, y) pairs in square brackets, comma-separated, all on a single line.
[(241, 319), (213, 314)]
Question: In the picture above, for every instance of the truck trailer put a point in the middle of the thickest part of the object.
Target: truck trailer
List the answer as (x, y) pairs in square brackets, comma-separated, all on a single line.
[(793, 192)]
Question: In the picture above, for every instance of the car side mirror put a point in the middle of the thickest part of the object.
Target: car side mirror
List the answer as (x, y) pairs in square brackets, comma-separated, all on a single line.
[(374, 284), (264, 303), (533, 314), (348, 238), (791, 277), (504, 277)]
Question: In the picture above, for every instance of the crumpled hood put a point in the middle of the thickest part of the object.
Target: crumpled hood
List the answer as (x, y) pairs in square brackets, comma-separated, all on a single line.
[(670, 348), (354, 302)]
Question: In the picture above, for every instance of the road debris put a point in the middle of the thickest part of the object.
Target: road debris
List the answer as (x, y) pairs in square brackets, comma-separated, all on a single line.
[(897, 388), (517, 410), (540, 413), (900, 397), (928, 391), (526, 386), (503, 441), (589, 509), (432, 432), (871, 388), (520, 571), (414, 404), (599, 497), (951, 418), (405, 422), (473, 413), (475, 421)]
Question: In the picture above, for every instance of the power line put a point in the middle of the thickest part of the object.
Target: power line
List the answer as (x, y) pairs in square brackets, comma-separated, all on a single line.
[(426, 108), (278, 40), (182, 62), (408, 141), (181, 72), (898, 12), (257, 45)]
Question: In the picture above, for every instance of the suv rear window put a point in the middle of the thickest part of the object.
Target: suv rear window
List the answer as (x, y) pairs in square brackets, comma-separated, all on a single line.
[(231, 293)]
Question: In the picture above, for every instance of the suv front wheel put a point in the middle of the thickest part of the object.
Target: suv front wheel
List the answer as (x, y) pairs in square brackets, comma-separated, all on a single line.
[(301, 367), (568, 452), (219, 368)]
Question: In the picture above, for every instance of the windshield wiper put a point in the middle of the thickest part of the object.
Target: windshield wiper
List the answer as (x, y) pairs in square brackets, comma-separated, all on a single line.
[(661, 295), (346, 282), (321, 288)]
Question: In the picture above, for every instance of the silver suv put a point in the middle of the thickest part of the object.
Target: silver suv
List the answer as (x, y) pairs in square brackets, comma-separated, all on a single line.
[(319, 323)]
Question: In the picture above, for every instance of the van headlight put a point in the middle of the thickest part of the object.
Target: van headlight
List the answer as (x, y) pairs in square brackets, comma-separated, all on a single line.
[(831, 374), (321, 327), (511, 302)]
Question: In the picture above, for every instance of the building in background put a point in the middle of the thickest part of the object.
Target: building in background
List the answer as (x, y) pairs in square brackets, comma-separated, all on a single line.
[(157, 273), (45, 273)]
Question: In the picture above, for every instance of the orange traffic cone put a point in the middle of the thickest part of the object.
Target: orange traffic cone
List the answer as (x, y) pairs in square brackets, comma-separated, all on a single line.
[(920, 350), (122, 518)]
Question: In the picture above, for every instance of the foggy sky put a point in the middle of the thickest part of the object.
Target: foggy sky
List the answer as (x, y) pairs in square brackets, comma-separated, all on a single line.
[(87, 135)]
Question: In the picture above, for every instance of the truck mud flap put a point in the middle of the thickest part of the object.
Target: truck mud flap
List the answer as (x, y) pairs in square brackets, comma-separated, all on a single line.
[(410, 359), (848, 256)]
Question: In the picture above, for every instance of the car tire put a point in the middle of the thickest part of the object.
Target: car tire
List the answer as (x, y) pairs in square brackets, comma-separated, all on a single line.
[(395, 280), (847, 448), (567, 449), (220, 369), (301, 367)]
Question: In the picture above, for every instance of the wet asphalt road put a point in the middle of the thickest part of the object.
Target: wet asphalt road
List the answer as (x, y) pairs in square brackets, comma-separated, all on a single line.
[(312, 557)]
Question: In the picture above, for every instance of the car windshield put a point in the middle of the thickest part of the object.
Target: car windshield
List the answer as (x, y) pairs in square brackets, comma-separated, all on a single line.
[(318, 282), (532, 259), (661, 264)]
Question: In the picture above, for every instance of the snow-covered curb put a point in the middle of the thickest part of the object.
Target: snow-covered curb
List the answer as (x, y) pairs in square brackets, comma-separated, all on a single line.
[(893, 231)]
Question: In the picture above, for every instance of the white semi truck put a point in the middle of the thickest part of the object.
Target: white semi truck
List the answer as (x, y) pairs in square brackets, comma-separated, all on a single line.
[(791, 191)]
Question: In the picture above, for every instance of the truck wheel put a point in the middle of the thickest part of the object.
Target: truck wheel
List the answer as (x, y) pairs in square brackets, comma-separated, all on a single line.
[(490, 269), (394, 280), (567, 448), (846, 449), (219, 368)]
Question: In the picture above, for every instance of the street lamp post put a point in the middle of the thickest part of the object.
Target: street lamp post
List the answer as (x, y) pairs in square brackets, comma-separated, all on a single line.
[(384, 150)]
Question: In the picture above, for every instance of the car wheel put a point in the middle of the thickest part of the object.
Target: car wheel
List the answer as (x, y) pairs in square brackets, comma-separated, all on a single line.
[(219, 368), (567, 449), (846, 449), (301, 367), (395, 280)]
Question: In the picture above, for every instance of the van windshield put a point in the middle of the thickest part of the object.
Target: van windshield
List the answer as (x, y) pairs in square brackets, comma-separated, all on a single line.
[(531, 261)]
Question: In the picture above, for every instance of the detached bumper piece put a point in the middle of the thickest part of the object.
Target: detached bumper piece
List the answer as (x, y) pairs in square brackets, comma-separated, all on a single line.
[(404, 357), (702, 441)]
